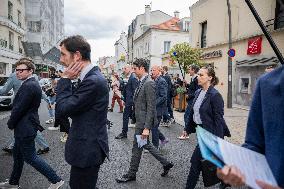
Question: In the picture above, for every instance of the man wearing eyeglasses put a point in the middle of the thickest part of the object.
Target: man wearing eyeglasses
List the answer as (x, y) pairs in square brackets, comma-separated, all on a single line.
[(24, 120)]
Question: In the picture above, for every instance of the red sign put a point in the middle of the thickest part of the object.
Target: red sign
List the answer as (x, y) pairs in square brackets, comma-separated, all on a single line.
[(254, 45)]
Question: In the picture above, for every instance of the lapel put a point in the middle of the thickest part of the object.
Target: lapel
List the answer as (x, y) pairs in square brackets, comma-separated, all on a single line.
[(281, 80), (90, 72), (140, 86)]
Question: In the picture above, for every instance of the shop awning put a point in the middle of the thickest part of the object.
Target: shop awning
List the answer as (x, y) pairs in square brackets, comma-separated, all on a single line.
[(53, 54), (32, 49), (258, 62)]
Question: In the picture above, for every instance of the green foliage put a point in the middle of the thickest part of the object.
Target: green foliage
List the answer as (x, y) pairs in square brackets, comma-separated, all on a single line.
[(186, 55), (181, 90)]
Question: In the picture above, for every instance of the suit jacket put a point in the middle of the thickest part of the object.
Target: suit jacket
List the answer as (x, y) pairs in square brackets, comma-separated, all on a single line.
[(192, 87), (145, 104), (129, 90), (24, 117), (161, 95), (169, 82), (211, 114), (265, 129), (87, 143)]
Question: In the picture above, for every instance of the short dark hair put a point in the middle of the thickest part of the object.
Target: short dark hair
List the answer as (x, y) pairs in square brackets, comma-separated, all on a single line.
[(26, 61), (194, 67), (142, 62), (77, 43), (165, 68)]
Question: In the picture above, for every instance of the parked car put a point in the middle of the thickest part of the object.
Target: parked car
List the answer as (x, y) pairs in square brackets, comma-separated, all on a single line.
[(6, 100)]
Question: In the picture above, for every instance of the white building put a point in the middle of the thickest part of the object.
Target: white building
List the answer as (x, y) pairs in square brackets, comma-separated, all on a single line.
[(12, 32), (121, 54), (45, 22), (155, 43), (140, 24)]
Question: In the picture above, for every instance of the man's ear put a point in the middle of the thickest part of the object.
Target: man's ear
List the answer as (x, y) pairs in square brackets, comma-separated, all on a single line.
[(77, 56)]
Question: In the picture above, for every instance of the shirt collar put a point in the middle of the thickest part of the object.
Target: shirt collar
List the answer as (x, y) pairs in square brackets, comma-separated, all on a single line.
[(143, 77), (27, 79), (86, 69)]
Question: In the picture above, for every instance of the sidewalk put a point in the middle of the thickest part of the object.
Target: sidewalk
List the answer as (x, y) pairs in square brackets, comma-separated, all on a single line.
[(236, 119)]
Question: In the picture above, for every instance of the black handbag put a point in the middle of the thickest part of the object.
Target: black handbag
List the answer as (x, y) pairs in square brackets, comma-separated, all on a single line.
[(209, 174)]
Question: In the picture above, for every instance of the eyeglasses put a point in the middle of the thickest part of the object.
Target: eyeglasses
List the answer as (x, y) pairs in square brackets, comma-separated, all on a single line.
[(21, 70)]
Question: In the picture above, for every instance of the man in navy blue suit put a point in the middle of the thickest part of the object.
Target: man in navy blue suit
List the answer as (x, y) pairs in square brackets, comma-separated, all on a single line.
[(127, 94), (24, 120), (87, 144)]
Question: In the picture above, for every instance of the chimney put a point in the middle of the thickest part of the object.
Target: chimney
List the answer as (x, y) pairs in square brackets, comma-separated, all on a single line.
[(147, 14), (176, 13)]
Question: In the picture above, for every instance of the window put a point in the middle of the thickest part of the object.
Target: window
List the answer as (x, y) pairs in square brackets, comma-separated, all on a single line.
[(186, 25), (10, 11), (203, 34), (244, 85), (34, 26), (19, 18), (20, 44), (11, 40), (167, 46), (3, 71), (279, 14)]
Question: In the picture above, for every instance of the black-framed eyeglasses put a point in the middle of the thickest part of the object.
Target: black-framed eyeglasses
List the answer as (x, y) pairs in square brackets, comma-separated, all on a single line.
[(21, 70)]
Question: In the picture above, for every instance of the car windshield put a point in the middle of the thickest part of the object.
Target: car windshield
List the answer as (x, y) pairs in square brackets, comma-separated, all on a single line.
[(3, 80)]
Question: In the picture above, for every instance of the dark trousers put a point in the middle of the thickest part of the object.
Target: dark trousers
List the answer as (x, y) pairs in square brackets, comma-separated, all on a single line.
[(126, 115), (63, 122), (24, 151), (187, 112), (169, 113), (156, 133), (84, 177), (195, 169)]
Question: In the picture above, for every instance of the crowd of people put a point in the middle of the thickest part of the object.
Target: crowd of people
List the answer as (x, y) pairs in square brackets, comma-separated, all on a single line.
[(144, 96)]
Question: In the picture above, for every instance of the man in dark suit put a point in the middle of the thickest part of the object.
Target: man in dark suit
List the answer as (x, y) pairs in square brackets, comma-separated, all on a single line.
[(168, 115), (87, 144), (161, 104), (145, 115), (128, 92), (24, 120), (191, 89)]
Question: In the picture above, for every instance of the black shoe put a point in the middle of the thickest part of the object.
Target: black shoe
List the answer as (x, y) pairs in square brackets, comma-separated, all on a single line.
[(110, 110), (167, 169), (126, 178), (8, 150), (121, 136), (44, 151)]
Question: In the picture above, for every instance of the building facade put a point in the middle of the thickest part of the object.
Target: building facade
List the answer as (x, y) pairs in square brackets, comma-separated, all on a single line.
[(45, 22), (121, 52), (12, 33), (210, 32), (142, 23)]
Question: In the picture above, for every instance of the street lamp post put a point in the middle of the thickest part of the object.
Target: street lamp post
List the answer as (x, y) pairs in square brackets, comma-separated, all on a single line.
[(229, 98)]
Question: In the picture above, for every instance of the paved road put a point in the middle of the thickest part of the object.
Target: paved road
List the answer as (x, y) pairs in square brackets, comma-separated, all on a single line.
[(148, 177)]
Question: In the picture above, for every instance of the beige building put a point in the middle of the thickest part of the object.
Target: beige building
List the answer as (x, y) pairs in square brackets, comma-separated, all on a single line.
[(253, 53), (12, 32)]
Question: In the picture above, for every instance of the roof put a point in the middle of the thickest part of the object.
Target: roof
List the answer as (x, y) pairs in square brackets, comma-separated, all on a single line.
[(53, 54), (258, 62), (171, 25), (32, 49)]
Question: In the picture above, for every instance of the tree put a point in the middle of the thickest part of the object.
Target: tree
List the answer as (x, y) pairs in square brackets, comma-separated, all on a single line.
[(185, 55)]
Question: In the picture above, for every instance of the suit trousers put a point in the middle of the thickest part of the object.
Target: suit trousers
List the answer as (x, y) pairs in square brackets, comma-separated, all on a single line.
[(84, 177), (187, 112), (137, 152), (195, 169), (157, 134), (24, 151), (126, 114)]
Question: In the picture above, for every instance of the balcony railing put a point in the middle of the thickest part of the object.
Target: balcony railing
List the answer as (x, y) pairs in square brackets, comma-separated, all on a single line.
[(203, 42), (11, 47), (275, 23), (10, 17)]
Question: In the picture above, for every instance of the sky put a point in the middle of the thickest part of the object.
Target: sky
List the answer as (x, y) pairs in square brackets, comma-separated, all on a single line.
[(102, 21)]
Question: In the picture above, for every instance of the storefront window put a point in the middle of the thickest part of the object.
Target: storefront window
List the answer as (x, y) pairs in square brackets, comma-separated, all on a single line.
[(2, 68)]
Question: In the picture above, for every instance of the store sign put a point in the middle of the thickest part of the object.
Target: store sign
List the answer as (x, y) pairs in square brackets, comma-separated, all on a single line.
[(254, 46), (213, 54)]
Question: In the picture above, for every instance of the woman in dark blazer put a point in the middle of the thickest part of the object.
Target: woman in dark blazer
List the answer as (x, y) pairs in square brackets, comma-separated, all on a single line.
[(207, 111)]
